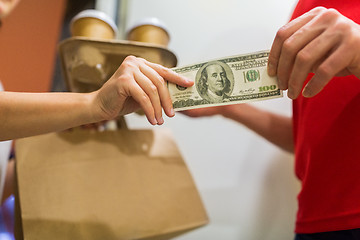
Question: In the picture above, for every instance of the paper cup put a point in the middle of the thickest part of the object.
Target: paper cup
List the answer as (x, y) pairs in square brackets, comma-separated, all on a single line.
[(150, 30), (94, 24)]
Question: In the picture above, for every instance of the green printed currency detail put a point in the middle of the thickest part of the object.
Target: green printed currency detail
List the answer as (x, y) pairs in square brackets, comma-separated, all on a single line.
[(230, 80)]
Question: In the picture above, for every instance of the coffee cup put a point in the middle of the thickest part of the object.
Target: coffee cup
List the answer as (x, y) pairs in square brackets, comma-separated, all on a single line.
[(150, 30), (94, 24)]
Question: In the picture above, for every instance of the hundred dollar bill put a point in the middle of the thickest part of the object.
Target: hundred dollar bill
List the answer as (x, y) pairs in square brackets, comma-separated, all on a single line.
[(230, 80)]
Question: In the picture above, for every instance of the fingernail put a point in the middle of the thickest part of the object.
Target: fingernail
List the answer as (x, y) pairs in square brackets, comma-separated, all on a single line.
[(271, 69), (154, 122), (172, 112), (280, 84), (161, 121), (290, 93), (306, 92)]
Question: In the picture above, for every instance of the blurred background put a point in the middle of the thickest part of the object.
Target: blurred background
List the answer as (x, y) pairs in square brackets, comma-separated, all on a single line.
[(247, 184)]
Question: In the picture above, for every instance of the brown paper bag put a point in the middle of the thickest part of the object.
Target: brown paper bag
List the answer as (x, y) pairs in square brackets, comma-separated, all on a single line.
[(124, 184)]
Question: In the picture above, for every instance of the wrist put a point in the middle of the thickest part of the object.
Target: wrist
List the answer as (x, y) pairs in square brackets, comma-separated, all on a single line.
[(228, 111), (93, 109), (237, 112)]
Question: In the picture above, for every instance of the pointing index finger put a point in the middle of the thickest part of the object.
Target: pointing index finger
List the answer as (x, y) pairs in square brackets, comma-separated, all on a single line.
[(170, 75)]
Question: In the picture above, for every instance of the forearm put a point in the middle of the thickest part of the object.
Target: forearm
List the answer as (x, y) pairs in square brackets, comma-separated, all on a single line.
[(273, 127), (27, 114)]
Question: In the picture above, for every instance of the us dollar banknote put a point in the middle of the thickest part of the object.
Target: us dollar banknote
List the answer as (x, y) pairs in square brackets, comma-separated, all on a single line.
[(229, 80)]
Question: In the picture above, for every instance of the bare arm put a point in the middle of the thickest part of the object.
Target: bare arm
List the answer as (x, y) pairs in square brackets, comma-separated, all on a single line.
[(273, 127), (136, 84), (26, 114)]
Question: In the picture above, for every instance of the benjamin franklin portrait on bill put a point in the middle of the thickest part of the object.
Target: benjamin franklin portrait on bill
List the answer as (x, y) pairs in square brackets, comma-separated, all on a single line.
[(215, 82)]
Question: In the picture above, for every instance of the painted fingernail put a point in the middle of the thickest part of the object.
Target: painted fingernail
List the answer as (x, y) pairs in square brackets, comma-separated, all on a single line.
[(172, 112)]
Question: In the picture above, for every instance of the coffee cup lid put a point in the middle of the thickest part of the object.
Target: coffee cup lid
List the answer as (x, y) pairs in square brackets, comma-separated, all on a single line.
[(150, 21), (92, 13)]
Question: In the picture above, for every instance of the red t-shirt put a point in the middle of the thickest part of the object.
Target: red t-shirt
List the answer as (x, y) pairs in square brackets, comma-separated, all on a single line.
[(327, 145)]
